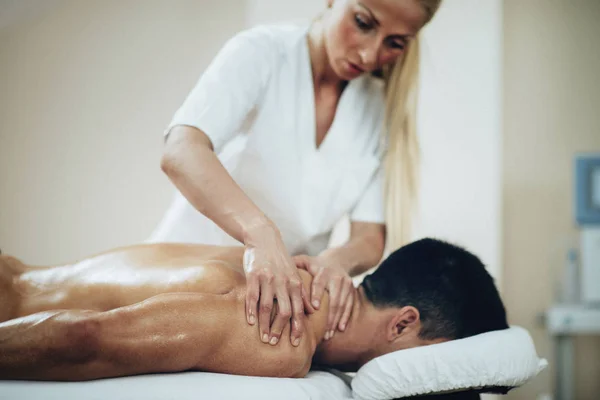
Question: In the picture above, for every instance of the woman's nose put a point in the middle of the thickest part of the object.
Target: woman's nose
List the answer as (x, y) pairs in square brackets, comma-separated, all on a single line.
[(368, 56)]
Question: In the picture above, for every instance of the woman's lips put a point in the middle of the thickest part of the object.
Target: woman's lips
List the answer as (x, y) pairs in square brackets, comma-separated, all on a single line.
[(355, 69)]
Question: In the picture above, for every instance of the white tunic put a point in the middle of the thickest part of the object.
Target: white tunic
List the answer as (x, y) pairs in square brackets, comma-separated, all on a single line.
[(256, 103)]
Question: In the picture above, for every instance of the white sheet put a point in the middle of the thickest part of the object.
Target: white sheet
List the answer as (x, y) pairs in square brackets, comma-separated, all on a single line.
[(183, 386)]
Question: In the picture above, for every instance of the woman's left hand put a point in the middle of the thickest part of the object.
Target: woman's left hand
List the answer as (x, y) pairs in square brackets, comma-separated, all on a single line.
[(337, 281)]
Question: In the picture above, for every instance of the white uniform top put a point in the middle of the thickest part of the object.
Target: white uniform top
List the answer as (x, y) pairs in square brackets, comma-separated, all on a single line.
[(256, 104)]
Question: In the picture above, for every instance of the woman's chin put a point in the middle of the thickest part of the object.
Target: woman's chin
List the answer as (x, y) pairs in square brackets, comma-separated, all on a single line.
[(347, 75), (346, 71)]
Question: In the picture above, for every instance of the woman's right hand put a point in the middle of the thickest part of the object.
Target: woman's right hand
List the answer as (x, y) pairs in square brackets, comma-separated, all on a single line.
[(271, 273), (194, 168)]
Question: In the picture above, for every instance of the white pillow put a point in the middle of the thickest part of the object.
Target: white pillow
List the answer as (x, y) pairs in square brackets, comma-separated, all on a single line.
[(505, 358)]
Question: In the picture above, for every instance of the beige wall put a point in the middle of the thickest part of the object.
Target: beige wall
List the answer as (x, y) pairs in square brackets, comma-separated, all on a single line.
[(86, 89), (552, 110)]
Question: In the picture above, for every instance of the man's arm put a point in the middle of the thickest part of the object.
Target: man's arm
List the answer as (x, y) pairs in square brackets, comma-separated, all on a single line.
[(166, 333)]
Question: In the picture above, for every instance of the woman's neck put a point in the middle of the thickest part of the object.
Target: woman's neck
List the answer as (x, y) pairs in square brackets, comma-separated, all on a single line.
[(323, 74)]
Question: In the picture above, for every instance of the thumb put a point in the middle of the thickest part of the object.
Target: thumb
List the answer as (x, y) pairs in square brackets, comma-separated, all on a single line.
[(302, 261)]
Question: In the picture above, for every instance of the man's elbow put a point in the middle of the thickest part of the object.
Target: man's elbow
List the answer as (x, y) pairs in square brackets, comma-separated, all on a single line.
[(71, 354), (80, 342)]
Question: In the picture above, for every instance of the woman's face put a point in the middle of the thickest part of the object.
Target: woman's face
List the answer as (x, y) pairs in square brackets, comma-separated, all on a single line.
[(363, 35)]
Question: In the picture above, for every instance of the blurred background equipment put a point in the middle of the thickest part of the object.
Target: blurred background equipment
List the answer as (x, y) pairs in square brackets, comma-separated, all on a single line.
[(577, 311), (587, 206)]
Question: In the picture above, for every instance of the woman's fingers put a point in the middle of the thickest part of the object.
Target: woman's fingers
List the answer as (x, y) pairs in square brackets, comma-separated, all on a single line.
[(318, 288), (302, 261), (347, 311), (252, 295), (271, 272), (296, 295), (334, 305), (345, 292), (284, 312), (266, 306), (308, 307)]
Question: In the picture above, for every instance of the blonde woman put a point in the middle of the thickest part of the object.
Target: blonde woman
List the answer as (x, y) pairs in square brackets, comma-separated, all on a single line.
[(289, 129)]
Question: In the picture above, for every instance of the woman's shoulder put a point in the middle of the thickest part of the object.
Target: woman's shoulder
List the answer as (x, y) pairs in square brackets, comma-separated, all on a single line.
[(277, 39)]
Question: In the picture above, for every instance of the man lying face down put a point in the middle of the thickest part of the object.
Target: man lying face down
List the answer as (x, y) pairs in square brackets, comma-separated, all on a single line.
[(172, 307)]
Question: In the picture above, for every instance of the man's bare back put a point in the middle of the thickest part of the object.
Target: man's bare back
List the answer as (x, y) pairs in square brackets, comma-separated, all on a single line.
[(143, 309)]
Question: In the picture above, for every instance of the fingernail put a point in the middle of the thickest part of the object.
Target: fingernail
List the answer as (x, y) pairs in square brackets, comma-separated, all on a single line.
[(265, 338), (343, 327), (327, 335), (331, 334), (296, 342), (273, 341), (252, 319), (315, 303)]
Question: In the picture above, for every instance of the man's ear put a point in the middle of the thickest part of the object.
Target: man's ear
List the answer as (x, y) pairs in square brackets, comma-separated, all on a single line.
[(402, 322)]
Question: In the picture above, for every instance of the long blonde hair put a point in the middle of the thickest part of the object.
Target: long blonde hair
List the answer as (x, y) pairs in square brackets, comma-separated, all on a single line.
[(402, 159)]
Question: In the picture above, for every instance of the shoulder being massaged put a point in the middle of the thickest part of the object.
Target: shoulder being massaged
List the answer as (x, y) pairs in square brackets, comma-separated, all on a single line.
[(173, 307)]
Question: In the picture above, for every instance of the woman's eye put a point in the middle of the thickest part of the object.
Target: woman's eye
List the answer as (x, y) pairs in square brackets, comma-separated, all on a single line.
[(361, 22), (396, 44)]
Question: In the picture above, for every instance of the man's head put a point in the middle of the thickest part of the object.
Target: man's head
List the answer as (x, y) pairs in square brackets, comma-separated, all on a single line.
[(424, 293)]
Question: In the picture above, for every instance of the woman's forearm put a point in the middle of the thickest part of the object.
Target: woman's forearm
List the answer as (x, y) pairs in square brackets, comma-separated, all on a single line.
[(358, 255), (193, 167)]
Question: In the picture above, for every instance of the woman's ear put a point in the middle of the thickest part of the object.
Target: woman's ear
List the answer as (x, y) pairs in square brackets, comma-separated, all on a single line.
[(403, 321)]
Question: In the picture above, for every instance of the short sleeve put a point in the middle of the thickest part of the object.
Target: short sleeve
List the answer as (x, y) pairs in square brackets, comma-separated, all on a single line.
[(370, 207), (230, 87)]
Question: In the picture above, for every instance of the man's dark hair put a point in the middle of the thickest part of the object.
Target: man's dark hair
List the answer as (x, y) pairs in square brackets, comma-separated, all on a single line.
[(454, 293)]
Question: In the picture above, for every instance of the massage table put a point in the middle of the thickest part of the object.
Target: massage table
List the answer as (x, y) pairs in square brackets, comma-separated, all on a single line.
[(318, 385)]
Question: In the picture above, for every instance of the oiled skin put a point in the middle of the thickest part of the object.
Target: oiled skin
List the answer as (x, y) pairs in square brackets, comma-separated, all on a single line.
[(142, 309)]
